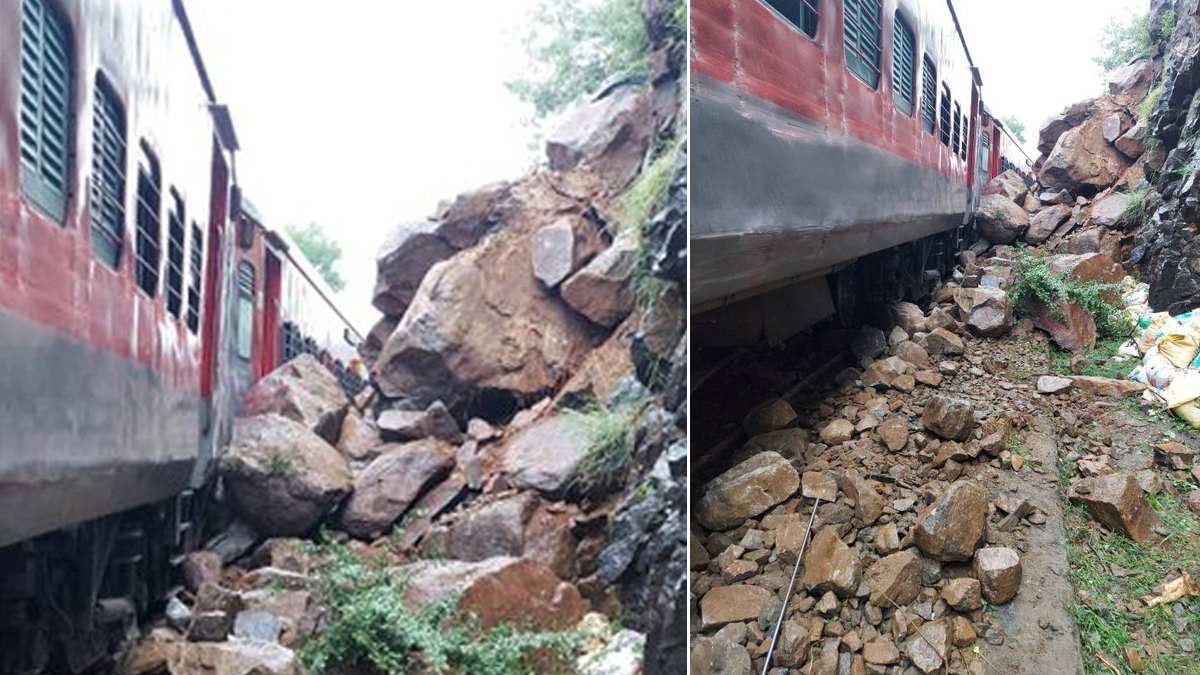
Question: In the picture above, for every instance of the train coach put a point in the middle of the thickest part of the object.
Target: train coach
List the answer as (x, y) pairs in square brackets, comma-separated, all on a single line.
[(839, 149), (140, 296)]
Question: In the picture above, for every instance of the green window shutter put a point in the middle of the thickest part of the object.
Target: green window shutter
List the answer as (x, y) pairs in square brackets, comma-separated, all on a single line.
[(802, 14), (175, 242), (928, 96), (149, 223), (944, 111), (956, 142), (862, 34), (45, 108), (108, 176), (197, 264), (904, 66)]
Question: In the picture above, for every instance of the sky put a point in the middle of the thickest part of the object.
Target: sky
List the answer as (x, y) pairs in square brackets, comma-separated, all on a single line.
[(360, 114), (1035, 56)]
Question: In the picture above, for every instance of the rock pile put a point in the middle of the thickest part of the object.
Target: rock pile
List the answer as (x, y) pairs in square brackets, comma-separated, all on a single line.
[(527, 422)]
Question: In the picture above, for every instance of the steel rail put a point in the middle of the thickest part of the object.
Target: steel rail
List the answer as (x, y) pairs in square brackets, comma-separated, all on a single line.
[(791, 586)]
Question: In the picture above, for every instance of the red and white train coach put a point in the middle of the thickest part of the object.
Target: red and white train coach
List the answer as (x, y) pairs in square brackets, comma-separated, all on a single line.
[(827, 132), (137, 302)]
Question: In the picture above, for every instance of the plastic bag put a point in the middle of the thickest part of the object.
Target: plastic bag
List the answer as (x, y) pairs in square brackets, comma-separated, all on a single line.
[(1148, 338), (1130, 349), (1184, 388), (1158, 370), (1180, 346), (1189, 412)]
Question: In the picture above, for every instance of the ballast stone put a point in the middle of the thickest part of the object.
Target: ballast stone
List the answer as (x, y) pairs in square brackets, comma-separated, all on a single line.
[(746, 490)]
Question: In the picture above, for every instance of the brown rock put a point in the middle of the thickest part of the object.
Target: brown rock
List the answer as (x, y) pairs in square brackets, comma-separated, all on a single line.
[(372, 344), (697, 555), (359, 439), (768, 416), (949, 418), (817, 484), (719, 656), (546, 455), (881, 652), (1103, 386), (158, 654), (927, 649), (951, 528), (601, 290), (747, 490), (399, 426), (1045, 222), (868, 505), (798, 634), (895, 579), (1193, 501), (941, 342), (963, 594), (791, 443), (887, 539), (727, 604), (200, 567), (837, 431), (894, 432), (987, 311), (302, 390), (912, 353), (1000, 219), (884, 372), (1083, 158), (909, 317), (608, 136), (1117, 501), (391, 483), (830, 565), (962, 633), (1109, 211), (281, 477), (1009, 184), (499, 590), (929, 378), (999, 572), (1077, 333)]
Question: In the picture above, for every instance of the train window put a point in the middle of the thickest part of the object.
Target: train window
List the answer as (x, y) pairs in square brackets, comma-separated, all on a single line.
[(904, 66), (175, 241), (928, 96), (802, 14), (45, 107), (863, 34), (956, 141), (108, 175), (149, 222), (985, 151), (196, 261), (944, 111), (966, 136), (245, 307)]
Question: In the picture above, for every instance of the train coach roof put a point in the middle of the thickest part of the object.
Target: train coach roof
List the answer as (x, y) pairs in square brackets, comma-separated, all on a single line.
[(963, 40), (221, 117)]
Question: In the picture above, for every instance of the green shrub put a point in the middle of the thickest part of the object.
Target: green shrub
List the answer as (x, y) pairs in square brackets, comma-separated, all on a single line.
[(612, 438), (1035, 279), (1149, 104), (1123, 40), (370, 628), (1134, 207)]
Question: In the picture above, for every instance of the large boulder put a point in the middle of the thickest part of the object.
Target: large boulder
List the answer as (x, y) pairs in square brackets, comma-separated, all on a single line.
[(546, 456), (1109, 211), (601, 290), (1132, 80), (951, 528), (391, 483), (831, 565), (372, 344), (1045, 222), (163, 652), (517, 525), (988, 312), (1000, 219), (950, 418), (1118, 502), (302, 390), (608, 134), (501, 590), (747, 490), (562, 247), (399, 426), (481, 321), (1083, 159), (281, 477), (1010, 184)]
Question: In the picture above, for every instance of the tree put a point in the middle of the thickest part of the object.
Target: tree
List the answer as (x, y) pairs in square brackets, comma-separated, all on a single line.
[(1015, 126), (324, 253), (1123, 40), (573, 46)]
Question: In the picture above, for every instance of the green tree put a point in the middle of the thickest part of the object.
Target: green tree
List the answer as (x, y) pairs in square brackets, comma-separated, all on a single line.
[(1124, 39), (573, 46), (324, 253), (1015, 126)]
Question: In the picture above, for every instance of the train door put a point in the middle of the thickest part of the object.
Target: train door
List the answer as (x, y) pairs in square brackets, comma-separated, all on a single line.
[(271, 336), (210, 327)]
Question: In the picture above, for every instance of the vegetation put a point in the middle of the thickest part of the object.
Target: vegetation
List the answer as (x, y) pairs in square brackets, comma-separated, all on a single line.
[(279, 464), (1135, 207), (1123, 40), (322, 251), (1149, 104), (1035, 279), (573, 46), (612, 439), (370, 628), (1099, 362), (1016, 126)]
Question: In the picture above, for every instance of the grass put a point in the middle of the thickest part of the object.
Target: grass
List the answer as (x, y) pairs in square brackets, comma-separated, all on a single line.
[(1135, 206), (1100, 361), (1035, 279), (641, 201), (1109, 610), (1148, 105), (369, 628), (279, 464), (612, 437)]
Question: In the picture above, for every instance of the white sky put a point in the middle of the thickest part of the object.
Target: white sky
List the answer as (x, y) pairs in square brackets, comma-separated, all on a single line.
[(1035, 56), (359, 114)]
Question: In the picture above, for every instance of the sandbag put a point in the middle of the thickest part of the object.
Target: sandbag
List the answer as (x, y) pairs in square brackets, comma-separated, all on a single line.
[(1157, 369), (1180, 345), (1189, 412), (1184, 388)]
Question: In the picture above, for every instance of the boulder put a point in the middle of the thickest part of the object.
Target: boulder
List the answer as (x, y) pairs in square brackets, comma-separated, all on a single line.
[(1000, 219), (1031, 204), (1132, 143), (727, 604), (517, 525), (912, 353), (1009, 184), (1109, 211), (836, 432), (518, 592), (1133, 79), (941, 342), (928, 649), (963, 594), (546, 456), (999, 573), (1045, 222), (815, 484), (200, 567), (719, 656), (881, 652), (949, 418), (608, 134), (561, 248), (409, 251), (988, 312), (281, 477), (868, 505), (831, 565), (768, 416), (481, 322), (1051, 384), (302, 390), (359, 439), (1082, 158), (392, 482), (1113, 126), (601, 291), (1061, 197), (1052, 129), (909, 317), (797, 635), (1075, 331), (952, 527), (1104, 386), (1117, 501), (372, 344), (400, 426), (895, 579), (870, 342), (162, 652), (893, 431), (791, 443), (747, 490), (883, 373)]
